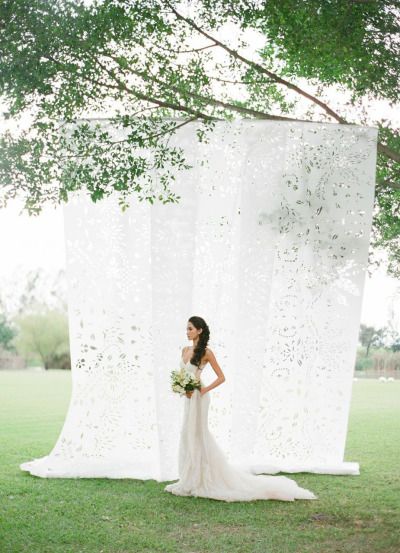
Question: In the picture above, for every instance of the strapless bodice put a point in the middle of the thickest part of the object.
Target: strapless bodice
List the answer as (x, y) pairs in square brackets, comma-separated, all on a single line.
[(191, 368)]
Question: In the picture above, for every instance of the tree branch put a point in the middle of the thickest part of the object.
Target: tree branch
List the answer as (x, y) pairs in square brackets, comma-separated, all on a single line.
[(183, 51), (382, 148), (259, 67), (383, 183), (138, 95), (204, 99), (388, 152), (169, 131), (161, 103), (219, 79)]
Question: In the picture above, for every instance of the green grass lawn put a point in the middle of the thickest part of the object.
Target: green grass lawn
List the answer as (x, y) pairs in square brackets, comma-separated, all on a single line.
[(355, 514)]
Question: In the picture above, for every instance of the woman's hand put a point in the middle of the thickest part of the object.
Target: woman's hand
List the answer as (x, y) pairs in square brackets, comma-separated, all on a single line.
[(202, 392)]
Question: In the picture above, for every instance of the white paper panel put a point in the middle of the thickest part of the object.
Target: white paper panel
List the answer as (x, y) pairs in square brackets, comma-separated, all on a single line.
[(269, 244)]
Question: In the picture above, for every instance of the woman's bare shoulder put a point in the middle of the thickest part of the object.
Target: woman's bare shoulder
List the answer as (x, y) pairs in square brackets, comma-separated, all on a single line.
[(209, 351)]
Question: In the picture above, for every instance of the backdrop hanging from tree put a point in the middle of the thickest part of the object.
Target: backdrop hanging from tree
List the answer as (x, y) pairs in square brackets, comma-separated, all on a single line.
[(269, 244)]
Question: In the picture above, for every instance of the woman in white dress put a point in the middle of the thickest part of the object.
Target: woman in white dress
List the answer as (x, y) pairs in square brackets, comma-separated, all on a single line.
[(203, 469)]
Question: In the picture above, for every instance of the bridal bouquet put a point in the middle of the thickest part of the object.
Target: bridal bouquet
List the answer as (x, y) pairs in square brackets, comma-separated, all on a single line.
[(182, 381)]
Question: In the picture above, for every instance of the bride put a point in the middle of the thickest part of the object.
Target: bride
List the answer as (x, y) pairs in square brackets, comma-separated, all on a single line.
[(203, 469)]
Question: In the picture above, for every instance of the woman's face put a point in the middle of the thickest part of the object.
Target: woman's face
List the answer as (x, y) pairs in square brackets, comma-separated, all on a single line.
[(191, 331)]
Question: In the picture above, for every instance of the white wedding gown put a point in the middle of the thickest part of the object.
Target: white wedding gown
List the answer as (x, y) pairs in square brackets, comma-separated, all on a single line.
[(204, 471)]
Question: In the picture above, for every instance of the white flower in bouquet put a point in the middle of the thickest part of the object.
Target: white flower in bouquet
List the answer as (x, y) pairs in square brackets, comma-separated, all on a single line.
[(183, 381)]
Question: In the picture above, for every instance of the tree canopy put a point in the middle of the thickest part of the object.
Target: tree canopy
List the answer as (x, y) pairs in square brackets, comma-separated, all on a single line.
[(43, 334), (152, 66), (7, 333)]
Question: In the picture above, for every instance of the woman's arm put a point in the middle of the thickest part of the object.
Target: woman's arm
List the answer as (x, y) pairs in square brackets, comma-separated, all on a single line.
[(210, 357)]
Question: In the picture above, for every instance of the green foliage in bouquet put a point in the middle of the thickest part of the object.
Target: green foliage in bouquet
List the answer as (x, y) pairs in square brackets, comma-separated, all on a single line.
[(183, 381)]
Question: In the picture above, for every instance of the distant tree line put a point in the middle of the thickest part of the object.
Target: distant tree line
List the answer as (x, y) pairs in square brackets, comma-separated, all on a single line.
[(34, 323), (380, 349)]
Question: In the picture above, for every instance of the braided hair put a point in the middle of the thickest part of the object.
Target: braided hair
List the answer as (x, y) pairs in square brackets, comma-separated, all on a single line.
[(204, 336)]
